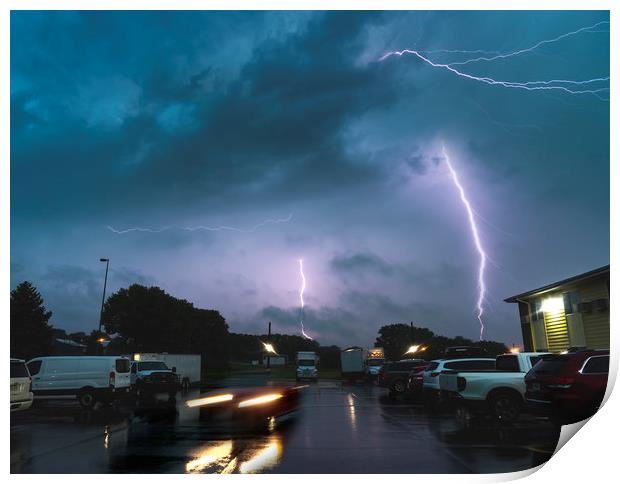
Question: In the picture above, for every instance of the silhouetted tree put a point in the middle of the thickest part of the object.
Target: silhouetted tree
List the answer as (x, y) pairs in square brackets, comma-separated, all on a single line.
[(329, 357), (396, 339), (30, 334), (151, 320)]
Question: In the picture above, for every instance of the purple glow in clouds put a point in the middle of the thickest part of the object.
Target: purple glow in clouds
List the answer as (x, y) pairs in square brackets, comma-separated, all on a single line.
[(476, 237)]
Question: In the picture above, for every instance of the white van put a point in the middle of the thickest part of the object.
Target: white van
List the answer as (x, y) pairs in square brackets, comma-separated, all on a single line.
[(89, 378), (21, 394)]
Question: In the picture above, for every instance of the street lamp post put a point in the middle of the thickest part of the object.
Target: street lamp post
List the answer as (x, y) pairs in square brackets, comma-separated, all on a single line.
[(105, 282)]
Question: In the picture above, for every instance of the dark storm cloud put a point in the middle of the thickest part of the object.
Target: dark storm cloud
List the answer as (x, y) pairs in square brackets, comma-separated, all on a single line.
[(360, 262), (121, 133)]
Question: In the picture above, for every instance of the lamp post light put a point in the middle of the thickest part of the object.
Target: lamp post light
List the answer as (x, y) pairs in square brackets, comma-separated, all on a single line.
[(105, 282)]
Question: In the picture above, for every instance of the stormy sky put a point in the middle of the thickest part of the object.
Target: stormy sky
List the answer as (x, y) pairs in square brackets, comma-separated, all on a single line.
[(176, 120)]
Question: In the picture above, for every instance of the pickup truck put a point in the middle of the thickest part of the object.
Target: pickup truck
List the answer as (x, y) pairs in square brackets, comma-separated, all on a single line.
[(500, 391), (150, 377)]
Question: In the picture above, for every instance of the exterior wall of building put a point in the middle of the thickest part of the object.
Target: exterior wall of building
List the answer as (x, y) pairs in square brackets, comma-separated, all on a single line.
[(582, 319)]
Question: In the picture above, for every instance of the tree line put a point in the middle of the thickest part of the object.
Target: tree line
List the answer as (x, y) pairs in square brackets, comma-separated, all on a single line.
[(147, 319)]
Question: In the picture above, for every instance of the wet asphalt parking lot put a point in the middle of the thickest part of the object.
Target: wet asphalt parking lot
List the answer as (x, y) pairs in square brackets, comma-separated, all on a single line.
[(338, 428)]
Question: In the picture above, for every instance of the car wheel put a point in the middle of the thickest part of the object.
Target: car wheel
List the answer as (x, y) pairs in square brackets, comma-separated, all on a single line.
[(87, 399), (505, 407), (399, 386)]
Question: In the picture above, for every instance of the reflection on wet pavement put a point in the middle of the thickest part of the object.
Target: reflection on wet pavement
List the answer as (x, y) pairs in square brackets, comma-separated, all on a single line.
[(338, 429)]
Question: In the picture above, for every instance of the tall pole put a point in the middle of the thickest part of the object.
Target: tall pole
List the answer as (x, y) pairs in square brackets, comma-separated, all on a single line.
[(269, 339), (105, 282)]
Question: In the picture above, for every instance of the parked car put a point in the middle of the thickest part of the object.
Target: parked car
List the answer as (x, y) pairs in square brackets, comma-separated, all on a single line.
[(21, 386), (464, 352), (394, 375), (415, 381), (568, 387), (89, 378), (430, 377), (375, 359), (499, 390), (187, 367), (151, 377)]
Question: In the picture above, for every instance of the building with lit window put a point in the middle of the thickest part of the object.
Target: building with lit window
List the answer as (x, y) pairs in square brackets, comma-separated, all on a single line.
[(570, 313)]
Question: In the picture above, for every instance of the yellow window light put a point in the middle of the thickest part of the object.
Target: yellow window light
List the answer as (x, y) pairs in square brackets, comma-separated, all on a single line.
[(260, 400), (199, 402)]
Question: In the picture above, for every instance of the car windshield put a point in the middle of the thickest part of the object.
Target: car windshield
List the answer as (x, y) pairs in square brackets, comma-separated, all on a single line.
[(375, 362), (152, 365), (18, 370), (305, 362), (432, 366)]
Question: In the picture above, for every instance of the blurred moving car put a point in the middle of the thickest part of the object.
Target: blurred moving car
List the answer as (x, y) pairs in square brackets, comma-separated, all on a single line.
[(499, 391), (91, 379), (394, 375), (430, 378), (568, 387), (21, 386), (250, 407)]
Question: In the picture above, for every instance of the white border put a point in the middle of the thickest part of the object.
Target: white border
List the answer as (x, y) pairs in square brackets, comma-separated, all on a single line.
[(596, 443)]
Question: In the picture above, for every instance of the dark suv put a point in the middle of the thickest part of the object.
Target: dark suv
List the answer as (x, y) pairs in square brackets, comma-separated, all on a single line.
[(568, 387), (394, 374)]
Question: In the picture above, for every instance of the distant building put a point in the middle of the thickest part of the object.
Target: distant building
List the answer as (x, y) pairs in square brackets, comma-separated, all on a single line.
[(573, 312), (275, 360)]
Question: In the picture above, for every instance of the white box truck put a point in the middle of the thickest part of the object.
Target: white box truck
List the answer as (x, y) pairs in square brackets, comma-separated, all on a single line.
[(353, 363), (307, 365)]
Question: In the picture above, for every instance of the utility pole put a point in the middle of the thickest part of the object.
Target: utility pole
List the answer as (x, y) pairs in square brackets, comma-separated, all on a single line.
[(269, 339), (105, 282)]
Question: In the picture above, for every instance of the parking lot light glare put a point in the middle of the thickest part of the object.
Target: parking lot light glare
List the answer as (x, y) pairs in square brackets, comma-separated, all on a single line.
[(413, 349), (269, 348)]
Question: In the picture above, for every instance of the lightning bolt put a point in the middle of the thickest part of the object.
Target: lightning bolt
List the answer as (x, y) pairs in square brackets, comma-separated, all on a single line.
[(476, 237), (568, 86), (301, 298), (206, 228), (535, 46)]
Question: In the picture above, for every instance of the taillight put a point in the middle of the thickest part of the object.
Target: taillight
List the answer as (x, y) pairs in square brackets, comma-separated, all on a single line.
[(30, 385), (560, 382), (435, 374), (112, 379)]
